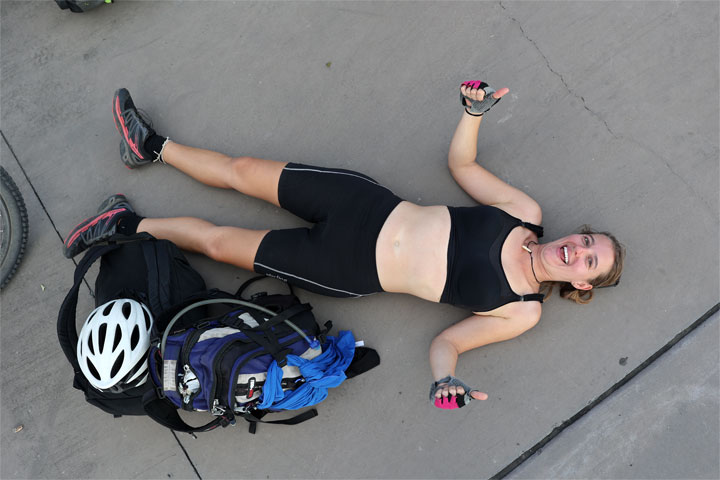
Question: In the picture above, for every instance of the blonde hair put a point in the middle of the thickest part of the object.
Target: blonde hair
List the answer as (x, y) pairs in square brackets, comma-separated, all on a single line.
[(609, 279)]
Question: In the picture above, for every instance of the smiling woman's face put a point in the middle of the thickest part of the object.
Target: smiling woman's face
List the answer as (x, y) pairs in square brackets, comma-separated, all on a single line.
[(578, 258)]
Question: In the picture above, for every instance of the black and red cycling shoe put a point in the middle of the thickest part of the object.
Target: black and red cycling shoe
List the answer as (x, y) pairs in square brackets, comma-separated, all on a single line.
[(98, 228), (134, 129)]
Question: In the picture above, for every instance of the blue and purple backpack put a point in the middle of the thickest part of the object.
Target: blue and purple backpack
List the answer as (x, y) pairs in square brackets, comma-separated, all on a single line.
[(246, 359)]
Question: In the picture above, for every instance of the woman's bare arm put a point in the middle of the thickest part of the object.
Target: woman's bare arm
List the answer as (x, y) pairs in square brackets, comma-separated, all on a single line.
[(479, 183), (474, 332)]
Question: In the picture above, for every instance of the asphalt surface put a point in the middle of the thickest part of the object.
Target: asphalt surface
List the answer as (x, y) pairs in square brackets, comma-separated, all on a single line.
[(612, 120)]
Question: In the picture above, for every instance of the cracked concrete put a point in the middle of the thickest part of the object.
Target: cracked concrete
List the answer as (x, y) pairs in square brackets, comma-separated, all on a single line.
[(559, 75), (585, 131), (668, 164), (597, 116)]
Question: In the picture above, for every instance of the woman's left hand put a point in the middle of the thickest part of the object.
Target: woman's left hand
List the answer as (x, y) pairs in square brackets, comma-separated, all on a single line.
[(473, 92), (451, 393), (473, 97)]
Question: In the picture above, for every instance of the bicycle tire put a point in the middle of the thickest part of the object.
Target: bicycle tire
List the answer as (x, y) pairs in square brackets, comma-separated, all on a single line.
[(13, 227)]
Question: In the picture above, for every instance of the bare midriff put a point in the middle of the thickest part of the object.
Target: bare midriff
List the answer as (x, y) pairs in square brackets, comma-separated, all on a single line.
[(411, 250)]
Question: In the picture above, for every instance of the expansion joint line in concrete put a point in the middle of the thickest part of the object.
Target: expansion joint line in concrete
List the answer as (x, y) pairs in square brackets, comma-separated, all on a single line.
[(668, 165), (556, 431), (559, 75), (186, 454), (655, 154), (37, 196)]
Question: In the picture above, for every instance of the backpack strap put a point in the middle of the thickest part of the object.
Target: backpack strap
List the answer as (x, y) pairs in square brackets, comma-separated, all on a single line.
[(166, 415), (162, 320), (254, 416), (249, 282), (286, 314), (269, 342), (263, 334), (66, 328), (157, 260)]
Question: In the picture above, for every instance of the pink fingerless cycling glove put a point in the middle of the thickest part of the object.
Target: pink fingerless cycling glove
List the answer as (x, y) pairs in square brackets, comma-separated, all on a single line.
[(477, 107), (450, 402)]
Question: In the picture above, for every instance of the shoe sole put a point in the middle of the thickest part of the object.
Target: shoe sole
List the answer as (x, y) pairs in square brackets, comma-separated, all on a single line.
[(127, 157)]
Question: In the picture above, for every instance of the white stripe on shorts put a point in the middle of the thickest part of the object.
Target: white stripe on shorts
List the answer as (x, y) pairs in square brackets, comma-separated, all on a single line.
[(336, 173), (314, 283)]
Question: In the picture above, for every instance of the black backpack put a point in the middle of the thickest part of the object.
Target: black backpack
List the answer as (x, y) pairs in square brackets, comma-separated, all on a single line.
[(157, 274), (151, 271)]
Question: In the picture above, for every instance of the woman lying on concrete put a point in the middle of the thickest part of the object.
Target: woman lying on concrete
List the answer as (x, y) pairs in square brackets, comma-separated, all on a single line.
[(366, 240)]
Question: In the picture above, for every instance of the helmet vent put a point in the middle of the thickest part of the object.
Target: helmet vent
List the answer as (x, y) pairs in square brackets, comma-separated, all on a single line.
[(118, 337), (93, 370), (147, 319), (108, 307), (117, 365), (101, 332), (90, 343), (135, 337), (141, 365), (126, 309)]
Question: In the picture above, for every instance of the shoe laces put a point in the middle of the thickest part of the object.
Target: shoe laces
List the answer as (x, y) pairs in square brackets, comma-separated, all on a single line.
[(142, 114), (145, 117)]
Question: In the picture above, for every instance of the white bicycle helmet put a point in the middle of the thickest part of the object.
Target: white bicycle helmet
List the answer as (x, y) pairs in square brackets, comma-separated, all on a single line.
[(113, 345)]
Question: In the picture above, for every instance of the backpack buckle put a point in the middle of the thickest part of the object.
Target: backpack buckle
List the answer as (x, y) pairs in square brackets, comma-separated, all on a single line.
[(251, 387), (227, 420), (226, 416), (217, 409)]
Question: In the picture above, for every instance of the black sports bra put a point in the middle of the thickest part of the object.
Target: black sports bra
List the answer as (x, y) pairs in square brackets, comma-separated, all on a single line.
[(475, 277)]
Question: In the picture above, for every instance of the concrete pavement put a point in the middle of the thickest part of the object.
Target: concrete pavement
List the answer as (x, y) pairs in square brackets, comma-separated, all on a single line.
[(612, 120), (643, 429)]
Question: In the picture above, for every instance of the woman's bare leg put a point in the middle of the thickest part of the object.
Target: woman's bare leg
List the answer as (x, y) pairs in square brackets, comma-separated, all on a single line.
[(233, 245), (252, 176)]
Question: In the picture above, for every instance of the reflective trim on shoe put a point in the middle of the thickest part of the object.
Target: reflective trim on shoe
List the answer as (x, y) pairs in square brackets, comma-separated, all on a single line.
[(134, 130), (98, 228)]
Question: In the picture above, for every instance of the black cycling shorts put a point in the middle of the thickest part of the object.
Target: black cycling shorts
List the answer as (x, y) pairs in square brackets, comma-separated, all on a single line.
[(336, 256)]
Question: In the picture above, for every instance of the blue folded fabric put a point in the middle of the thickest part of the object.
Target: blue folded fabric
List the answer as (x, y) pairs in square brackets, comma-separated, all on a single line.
[(325, 371)]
